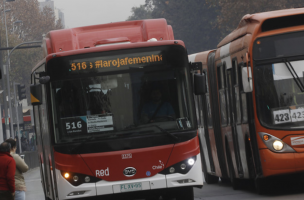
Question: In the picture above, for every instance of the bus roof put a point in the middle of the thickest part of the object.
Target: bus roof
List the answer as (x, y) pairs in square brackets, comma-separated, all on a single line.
[(251, 24), (97, 35), (200, 57)]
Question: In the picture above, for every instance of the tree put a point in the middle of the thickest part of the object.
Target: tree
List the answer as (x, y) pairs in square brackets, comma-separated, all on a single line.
[(34, 24), (141, 12), (193, 21), (232, 11)]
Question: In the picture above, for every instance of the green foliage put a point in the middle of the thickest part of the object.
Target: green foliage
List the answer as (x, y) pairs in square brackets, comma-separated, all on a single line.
[(193, 21)]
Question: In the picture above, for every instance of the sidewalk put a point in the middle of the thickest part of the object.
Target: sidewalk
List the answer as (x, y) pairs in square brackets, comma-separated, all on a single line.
[(34, 189)]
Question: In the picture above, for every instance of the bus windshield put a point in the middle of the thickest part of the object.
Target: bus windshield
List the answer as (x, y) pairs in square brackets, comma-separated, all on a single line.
[(138, 99), (278, 74), (280, 100)]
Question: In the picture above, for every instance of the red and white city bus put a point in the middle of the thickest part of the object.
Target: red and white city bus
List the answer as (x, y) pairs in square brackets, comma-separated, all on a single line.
[(255, 100), (114, 113)]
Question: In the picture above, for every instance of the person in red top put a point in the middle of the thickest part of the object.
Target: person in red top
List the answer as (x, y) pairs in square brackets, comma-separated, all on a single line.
[(7, 173)]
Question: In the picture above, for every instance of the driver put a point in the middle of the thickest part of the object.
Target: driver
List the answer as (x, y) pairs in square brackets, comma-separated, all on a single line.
[(156, 108)]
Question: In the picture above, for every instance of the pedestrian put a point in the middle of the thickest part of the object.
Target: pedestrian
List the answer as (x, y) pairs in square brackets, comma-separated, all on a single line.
[(32, 143), (21, 167), (24, 145), (17, 144), (7, 172)]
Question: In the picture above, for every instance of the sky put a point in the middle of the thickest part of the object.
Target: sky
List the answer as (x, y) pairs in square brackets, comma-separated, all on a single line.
[(89, 12)]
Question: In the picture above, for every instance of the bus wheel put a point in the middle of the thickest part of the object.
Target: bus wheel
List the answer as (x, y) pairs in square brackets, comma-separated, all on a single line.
[(185, 194), (260, 186), (225, 180), (234, 182), (210, 179)]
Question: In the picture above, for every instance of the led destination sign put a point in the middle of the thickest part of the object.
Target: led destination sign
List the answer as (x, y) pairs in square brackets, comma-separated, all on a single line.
[(91, 64), (94, 64)]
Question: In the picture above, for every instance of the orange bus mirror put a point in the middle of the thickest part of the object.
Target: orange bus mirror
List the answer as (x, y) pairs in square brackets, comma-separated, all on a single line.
[(200, 84), (36, 94), (247, 79)]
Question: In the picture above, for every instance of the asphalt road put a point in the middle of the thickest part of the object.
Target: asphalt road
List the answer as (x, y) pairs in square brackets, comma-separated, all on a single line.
[(291, 188)]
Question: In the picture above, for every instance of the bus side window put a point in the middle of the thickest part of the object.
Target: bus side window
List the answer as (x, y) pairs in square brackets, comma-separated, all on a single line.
[(207, 96), (243, 99), (226, 93), (236, 80), (222, 95)]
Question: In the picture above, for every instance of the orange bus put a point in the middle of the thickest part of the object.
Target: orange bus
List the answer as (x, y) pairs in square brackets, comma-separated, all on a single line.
[(253, 110)]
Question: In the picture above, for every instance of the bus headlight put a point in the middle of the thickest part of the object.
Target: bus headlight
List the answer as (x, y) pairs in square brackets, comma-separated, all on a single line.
[(77, 179), (275, 144), (182, 167), (66, 175), (278, 145), (87, 179), (172, 170), (191, 161)]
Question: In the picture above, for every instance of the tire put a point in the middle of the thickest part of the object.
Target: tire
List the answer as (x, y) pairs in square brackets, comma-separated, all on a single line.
[(261, 186), (210, 179), (186, 193), (225, 180), (234, 182)]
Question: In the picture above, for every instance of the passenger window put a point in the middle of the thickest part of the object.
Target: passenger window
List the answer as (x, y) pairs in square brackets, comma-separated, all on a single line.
[(226, 93), (220, 77), (236, 79), (209, 117), (243, 100), (222, 95)]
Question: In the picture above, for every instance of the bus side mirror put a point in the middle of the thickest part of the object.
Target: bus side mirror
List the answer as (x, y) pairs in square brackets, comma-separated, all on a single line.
[(246, 76), (200, 84), (44, 79), (247, 79), (36, 94)]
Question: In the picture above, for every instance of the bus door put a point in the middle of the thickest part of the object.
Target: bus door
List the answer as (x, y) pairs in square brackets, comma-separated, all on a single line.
[(43, 139), (204, 123), (41, 153), (234, 114)]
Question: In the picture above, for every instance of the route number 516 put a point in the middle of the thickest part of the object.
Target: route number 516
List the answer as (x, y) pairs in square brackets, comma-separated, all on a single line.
[(73, 125)]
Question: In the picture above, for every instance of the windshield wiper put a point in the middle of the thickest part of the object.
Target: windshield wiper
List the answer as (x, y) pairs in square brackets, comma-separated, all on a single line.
[(133, 127), (294, 74), (164, 131)]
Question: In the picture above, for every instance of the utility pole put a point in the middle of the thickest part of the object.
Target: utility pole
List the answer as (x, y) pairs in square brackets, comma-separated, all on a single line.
[(6, 74), (8, 85), (6, 119)]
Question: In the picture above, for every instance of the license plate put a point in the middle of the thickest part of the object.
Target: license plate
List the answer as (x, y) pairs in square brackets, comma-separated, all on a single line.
[(130, 187)]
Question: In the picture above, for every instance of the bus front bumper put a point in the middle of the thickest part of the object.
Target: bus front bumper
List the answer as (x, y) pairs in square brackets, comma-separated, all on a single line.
[(156, 182), (281, 163)]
